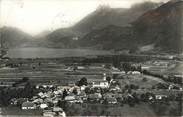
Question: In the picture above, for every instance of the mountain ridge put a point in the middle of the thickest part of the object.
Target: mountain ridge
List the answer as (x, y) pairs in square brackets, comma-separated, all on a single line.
[(13, 37)]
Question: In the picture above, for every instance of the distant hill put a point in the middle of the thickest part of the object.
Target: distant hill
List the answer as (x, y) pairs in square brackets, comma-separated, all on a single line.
[(104, 16), (13, 37), (100, 18), (161, 27), (57, 39), (109, 37), (156, 30)]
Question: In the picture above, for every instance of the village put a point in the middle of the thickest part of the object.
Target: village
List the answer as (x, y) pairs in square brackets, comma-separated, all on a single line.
[(98, 85)]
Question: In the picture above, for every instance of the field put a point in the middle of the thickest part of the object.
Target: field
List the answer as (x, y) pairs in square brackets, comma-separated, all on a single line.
[(140, 110), (47, 72), (17, 111), (138, 80), (178, 68)]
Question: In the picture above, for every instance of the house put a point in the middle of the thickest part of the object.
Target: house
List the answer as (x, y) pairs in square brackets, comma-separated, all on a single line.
[(82, 95), (107, 95), (75, 88), (82, 88), (70, 98), (55, 101), (79, 100), (100, 84), (56, 92), (37, 86), (118, 72), (28, 105), (114, 68), (41, 94), (96, 89), (20, 101), (136, 73), (59, 111), (145, 67), (35, 97), (13, 101), (47, 86), (49, 114), (61, 114), (129, 72), (38, 101), (80, 67), (111, 100), (71, 84), (160, 97), (94, 97), (115, 88), (43, 106), (48, 100)]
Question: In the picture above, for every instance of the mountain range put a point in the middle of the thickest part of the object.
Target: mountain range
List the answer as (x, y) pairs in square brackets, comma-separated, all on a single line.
[(159, 29), (102, 17), (143, 27)]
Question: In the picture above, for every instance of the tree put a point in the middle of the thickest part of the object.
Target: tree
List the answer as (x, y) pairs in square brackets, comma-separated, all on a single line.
[(126, 67), (63, 104), (27, 92), (144, 79), (87, 90), (75, 91), (25, 79), (108, 79), (64, 94), (82, 81), (107, 66)]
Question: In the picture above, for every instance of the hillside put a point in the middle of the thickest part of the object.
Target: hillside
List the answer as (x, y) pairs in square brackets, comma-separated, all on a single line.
[(13, 37), (161, 27), (104, 16), (100, 18), (57, 39), (157, 30), (110, 37)]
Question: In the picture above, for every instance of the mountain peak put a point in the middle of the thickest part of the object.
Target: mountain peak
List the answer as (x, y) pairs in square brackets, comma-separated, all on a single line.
[(174, 1), (103, 7)]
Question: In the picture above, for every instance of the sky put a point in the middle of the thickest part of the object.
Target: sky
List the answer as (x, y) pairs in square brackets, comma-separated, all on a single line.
[(36, 16)]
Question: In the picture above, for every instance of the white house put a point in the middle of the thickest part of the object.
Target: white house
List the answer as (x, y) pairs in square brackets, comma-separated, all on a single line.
[(71, 98), (60, 111), (57, 109), (28, 105), (100, 84), (43, 106), (136, 73), (159, 97), (119, 72), (49, 114), (38, 101)]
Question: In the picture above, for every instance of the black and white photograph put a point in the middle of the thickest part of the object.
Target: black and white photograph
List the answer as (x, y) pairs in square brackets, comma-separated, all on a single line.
[(110, 58)]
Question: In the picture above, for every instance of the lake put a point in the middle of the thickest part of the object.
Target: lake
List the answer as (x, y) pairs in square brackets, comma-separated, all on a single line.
[(52, 52)]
